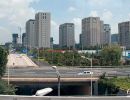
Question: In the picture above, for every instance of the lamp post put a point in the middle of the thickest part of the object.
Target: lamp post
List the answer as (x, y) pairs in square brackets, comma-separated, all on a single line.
[(91, 64), (38, 56), (58, 76), (8, 75)]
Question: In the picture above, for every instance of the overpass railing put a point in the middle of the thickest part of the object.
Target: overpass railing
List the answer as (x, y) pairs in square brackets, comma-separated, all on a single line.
[(7, 97)]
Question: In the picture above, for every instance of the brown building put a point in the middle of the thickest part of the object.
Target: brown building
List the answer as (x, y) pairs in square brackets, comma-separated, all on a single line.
[(92, 31), (124, 34)]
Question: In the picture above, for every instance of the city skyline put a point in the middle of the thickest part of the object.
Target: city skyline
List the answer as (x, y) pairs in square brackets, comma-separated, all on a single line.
[(72, 11)]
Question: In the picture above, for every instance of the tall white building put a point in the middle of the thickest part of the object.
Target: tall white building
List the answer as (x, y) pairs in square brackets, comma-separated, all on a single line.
[(43, 29), (30, 31), (67, 35), (92, 30)]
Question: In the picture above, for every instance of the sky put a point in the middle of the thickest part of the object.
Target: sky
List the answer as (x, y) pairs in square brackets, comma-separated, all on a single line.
[(15, 13)]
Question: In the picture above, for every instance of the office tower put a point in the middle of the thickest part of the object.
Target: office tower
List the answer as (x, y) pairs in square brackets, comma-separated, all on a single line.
[(92, 30), (67, 35), (80, 39), (106, 36), (15, 38), (43, 29), (31, 35), (24, 39), (124, 34), (115, 38), (51, 42)]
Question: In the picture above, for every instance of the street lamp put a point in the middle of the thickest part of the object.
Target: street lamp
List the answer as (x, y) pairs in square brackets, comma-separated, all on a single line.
[(91, 61), (43, 92), (58, 76)]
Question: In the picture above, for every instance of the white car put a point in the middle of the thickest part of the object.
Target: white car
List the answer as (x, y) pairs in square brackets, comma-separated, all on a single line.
[(85, 73)]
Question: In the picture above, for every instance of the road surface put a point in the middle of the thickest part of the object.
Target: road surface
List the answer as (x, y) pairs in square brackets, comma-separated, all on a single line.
[(19, 65), (20, 60)]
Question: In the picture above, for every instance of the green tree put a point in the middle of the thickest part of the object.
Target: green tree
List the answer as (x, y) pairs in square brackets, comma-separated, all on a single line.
[(68, 58), (6, 89), (110, 55), (3, 61)]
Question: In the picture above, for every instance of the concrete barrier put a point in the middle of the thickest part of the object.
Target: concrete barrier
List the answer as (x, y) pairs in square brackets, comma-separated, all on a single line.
[(5, 97)]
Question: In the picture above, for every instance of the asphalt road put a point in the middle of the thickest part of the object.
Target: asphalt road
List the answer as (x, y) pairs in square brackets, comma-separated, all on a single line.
[(24, 67), (20, 60), (65, 72)]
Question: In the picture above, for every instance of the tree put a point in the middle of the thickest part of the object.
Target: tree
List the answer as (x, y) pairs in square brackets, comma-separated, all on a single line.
[(3, 61), (6, 89), (110, 55)]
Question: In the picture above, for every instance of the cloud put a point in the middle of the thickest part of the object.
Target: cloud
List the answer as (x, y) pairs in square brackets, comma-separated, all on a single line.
[(93, 14), (107, 15), (4, 35), (97, 2), (15, 13), (129, 15), (55, 31), (71, 9), (77, 22)]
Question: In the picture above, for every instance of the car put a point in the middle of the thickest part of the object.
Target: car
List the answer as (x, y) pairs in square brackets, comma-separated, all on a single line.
[(85, 73)]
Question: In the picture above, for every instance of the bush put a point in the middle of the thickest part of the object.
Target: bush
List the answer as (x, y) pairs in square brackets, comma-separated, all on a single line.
[(3, 61), (6, 89)]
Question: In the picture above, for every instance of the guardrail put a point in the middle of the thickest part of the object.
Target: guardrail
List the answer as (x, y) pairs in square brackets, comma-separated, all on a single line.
[(5, 97)]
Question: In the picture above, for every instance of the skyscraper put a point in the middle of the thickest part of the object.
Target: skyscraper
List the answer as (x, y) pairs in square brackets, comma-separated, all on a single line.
[(24, 39), (92, 30), (106, 36), (124, 34), (81, 39), (31, 35), (43, 29), (15, 38), (67, 35), (115, 38)]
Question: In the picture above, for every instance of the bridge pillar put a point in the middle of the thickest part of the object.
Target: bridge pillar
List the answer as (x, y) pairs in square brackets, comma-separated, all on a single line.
[(95, 88)]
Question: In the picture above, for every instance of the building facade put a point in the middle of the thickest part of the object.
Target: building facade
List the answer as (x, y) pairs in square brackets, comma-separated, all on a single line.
[(106, 37), (115, 38), (67, 35), (15, 38), (43, 29), (24, 39), (30, 30), (92, 31), (51, 42), (80, 39), (124, 34)]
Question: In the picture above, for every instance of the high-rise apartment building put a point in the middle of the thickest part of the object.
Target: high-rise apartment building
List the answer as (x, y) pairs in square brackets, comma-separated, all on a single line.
[(31, 35), (92, 31), (24, 39), (67, 35), (51, 42), (81, 39), (15, 38), (124, 34), (106, 36), (115, 38), (43, 29)]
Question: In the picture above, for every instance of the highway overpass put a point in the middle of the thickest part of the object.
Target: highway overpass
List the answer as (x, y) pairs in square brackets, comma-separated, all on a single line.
[(63, 98)]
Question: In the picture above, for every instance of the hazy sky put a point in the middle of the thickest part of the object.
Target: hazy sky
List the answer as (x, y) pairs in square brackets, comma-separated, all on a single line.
[(15, 13)]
